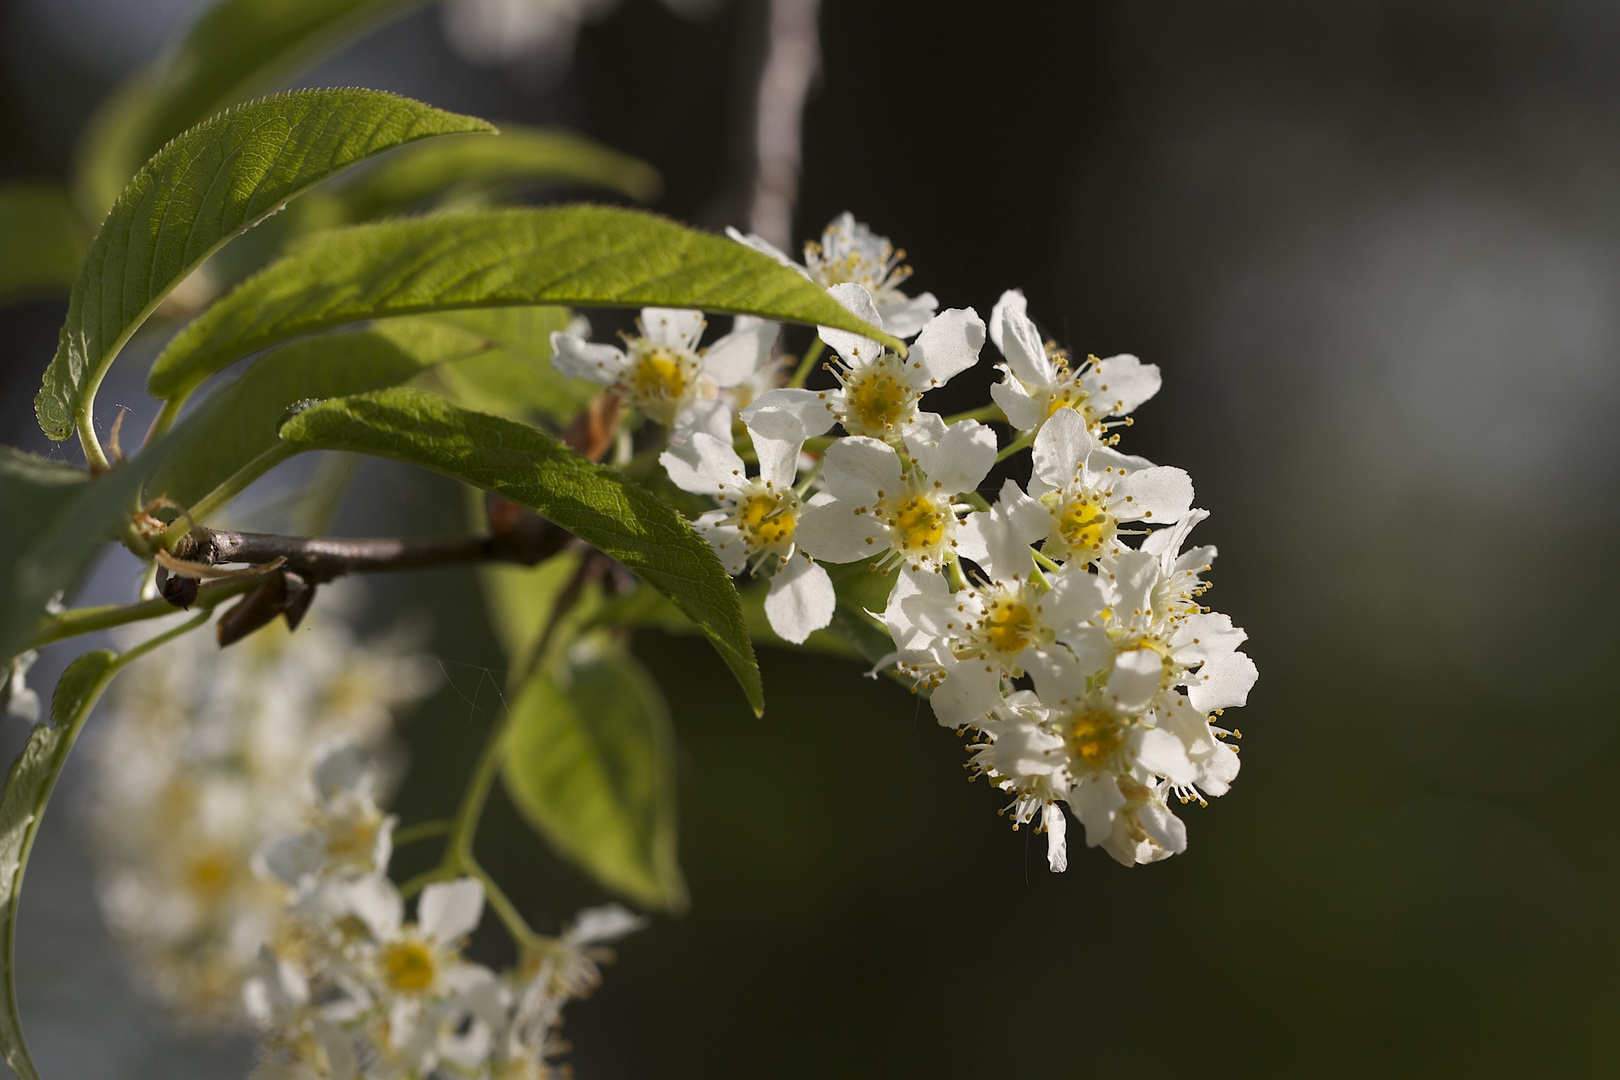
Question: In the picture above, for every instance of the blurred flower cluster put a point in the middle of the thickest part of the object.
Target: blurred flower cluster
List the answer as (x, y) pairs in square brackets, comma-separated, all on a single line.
[(1059, 624), (347, 987), (203, 755)]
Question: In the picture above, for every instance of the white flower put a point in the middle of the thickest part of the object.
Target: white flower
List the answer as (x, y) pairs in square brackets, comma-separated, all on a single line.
[(965, 643), (662, 372), (850, 253), (1088, 506), (1038, 382), (876, 507), (349, 834), (757, 523), (879, 391), (21, 701)]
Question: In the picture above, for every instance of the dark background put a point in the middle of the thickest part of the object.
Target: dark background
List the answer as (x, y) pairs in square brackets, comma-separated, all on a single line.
[(1371, 245)]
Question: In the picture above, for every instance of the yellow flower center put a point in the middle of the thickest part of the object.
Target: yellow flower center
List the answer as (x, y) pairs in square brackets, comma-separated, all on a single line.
[(210, 873), (1068, 395), (767, 520), (347, 839), (878, 399), (408, 966), (1084, 526), (1095, 737), (659, 380), (1010, 627), (921, 523)]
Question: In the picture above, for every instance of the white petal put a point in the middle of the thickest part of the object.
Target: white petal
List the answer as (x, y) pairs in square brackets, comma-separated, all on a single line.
[(1119, 384), (805, 407), (1169, 831), (1135, 679), (742, 352), (676, 328), (779, 423), (963, 457), (342, 767), (856, 349), (832, 531), (1206, 636), (1018, 340), (765, 247), (1022, 411), (716, 527), (450, 910), (292, 858), (711, 415), (801, 600), (969, 692), (577, 358), (999, 540), (1059, 678), (1076, 598), (904, 316), (858, 468), (1222, 683), (1057, 830), (375, 900), (1094, 801), (1060, 450), (1161, 495), (1161, 752), (705, 465), (947, 346), (608, 922)]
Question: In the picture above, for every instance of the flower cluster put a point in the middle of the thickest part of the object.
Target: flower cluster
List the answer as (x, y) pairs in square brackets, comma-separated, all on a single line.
[(347, 987), (1059, 624), (202, 757)]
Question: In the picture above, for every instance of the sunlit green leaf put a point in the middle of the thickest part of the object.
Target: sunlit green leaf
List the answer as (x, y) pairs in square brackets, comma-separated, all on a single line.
[(577, 255), (589, 763), (533, 469), (233, 437), (235, 49), (518, 157), (44, 241), (515, 380), (22, 806), (205, 187)]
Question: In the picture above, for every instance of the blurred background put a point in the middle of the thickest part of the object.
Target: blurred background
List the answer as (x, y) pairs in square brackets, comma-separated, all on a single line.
[(1372, 245)]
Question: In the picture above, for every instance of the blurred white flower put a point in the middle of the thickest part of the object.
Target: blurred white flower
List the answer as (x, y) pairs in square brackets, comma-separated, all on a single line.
[(203, 755)]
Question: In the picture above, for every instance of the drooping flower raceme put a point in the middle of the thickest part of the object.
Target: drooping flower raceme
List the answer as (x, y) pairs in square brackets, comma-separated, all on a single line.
[(1059, 625)]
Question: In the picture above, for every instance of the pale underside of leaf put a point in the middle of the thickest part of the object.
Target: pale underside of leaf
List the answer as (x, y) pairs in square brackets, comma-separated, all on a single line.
[(574, 255), (533, 469), (208, 185)]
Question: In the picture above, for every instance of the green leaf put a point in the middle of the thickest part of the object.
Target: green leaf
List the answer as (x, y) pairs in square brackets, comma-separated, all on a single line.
[(518, 157), (208, 185), (44, 241), (55, 521), (236, 49), (577, 255), (590, 765), (515, 380), (22, 807), (35, 493), (233, 438), (531, 468), (522, 602)]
